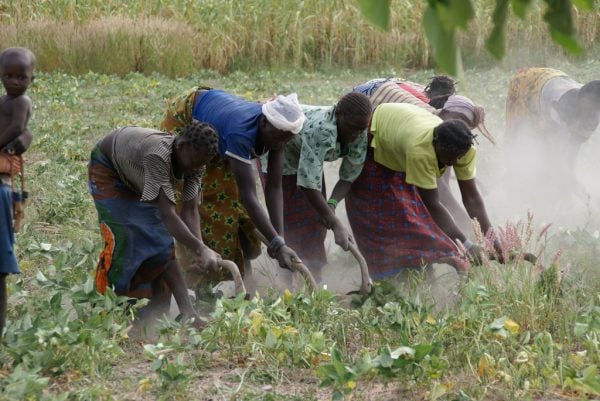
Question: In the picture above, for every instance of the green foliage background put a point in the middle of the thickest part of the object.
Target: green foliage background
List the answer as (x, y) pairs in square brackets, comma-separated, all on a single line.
[(177, 37)]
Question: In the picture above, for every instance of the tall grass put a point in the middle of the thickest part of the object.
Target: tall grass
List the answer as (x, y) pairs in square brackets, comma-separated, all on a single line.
[(175, 37)]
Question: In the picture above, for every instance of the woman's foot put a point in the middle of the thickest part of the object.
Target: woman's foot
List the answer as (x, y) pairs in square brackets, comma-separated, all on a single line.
[(193, 319), (462, 267)]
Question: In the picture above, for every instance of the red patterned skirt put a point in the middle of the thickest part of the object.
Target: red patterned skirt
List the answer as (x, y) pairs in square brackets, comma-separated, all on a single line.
[(303, 231), (391, 224)]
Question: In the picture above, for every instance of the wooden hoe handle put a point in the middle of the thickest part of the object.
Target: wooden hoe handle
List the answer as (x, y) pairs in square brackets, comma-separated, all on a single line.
[(235, 272), (366, 282), (295, 267)]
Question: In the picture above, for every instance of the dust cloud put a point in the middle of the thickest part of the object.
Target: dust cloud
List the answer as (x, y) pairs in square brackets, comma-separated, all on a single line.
[(527, 171), (542, 172)]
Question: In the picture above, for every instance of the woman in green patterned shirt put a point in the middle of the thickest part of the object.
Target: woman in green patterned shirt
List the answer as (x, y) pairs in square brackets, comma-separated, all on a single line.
[(328, 134)]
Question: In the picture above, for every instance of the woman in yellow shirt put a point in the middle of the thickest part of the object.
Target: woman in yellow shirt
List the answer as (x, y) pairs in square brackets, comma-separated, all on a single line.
[(394, 208)]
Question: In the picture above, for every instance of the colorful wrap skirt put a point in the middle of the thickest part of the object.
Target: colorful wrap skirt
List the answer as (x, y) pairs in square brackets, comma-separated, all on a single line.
[(8, 261), (391, 225), (524, 94), (302, 229), (226, 227), (137, 245)]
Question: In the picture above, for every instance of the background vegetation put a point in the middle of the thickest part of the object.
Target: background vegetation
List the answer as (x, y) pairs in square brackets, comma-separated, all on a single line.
[(177, 37), (508, 337)]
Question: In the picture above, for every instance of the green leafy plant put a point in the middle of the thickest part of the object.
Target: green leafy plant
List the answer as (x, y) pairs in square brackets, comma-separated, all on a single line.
[(505, 334), (341, 376), (78, 326)]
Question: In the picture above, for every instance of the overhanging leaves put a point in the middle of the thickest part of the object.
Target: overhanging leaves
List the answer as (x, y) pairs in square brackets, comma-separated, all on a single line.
[(453, 13), (443, 17), (585, 4), (520, 7), (560, 22), (377, 12), (441, 40), (495, 42)]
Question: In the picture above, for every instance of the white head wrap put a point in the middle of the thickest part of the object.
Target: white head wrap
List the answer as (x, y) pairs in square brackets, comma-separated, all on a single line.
[(284, 113)]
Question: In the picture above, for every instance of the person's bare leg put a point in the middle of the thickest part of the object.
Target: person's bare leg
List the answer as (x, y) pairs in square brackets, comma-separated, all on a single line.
[(3, 303), (175, 282), (161, 298), (185, 260), (145, 324), (249, 280)]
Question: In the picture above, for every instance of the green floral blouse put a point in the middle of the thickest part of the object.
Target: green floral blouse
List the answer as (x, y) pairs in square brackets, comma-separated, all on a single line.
[(316, 144)]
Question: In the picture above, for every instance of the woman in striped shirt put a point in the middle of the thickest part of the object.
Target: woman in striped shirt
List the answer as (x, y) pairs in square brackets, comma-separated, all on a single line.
[(133, 173)]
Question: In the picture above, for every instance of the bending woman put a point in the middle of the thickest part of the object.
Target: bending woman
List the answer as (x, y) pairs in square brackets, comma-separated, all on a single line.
[(394, 207), (133, 173), (328, 134), (549, 116), (230, 209), (437, 98)]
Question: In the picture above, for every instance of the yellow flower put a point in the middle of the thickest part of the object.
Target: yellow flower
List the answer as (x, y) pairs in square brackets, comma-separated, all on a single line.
[(290, 330), (257, 319), (143, 386), (511, 326), (276, 331)]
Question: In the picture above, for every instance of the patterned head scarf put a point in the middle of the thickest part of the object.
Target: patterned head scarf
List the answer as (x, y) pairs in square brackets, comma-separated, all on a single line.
[(475, 115)]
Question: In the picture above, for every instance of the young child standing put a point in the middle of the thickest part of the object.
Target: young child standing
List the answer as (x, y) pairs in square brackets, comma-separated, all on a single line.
[(16, 73)]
